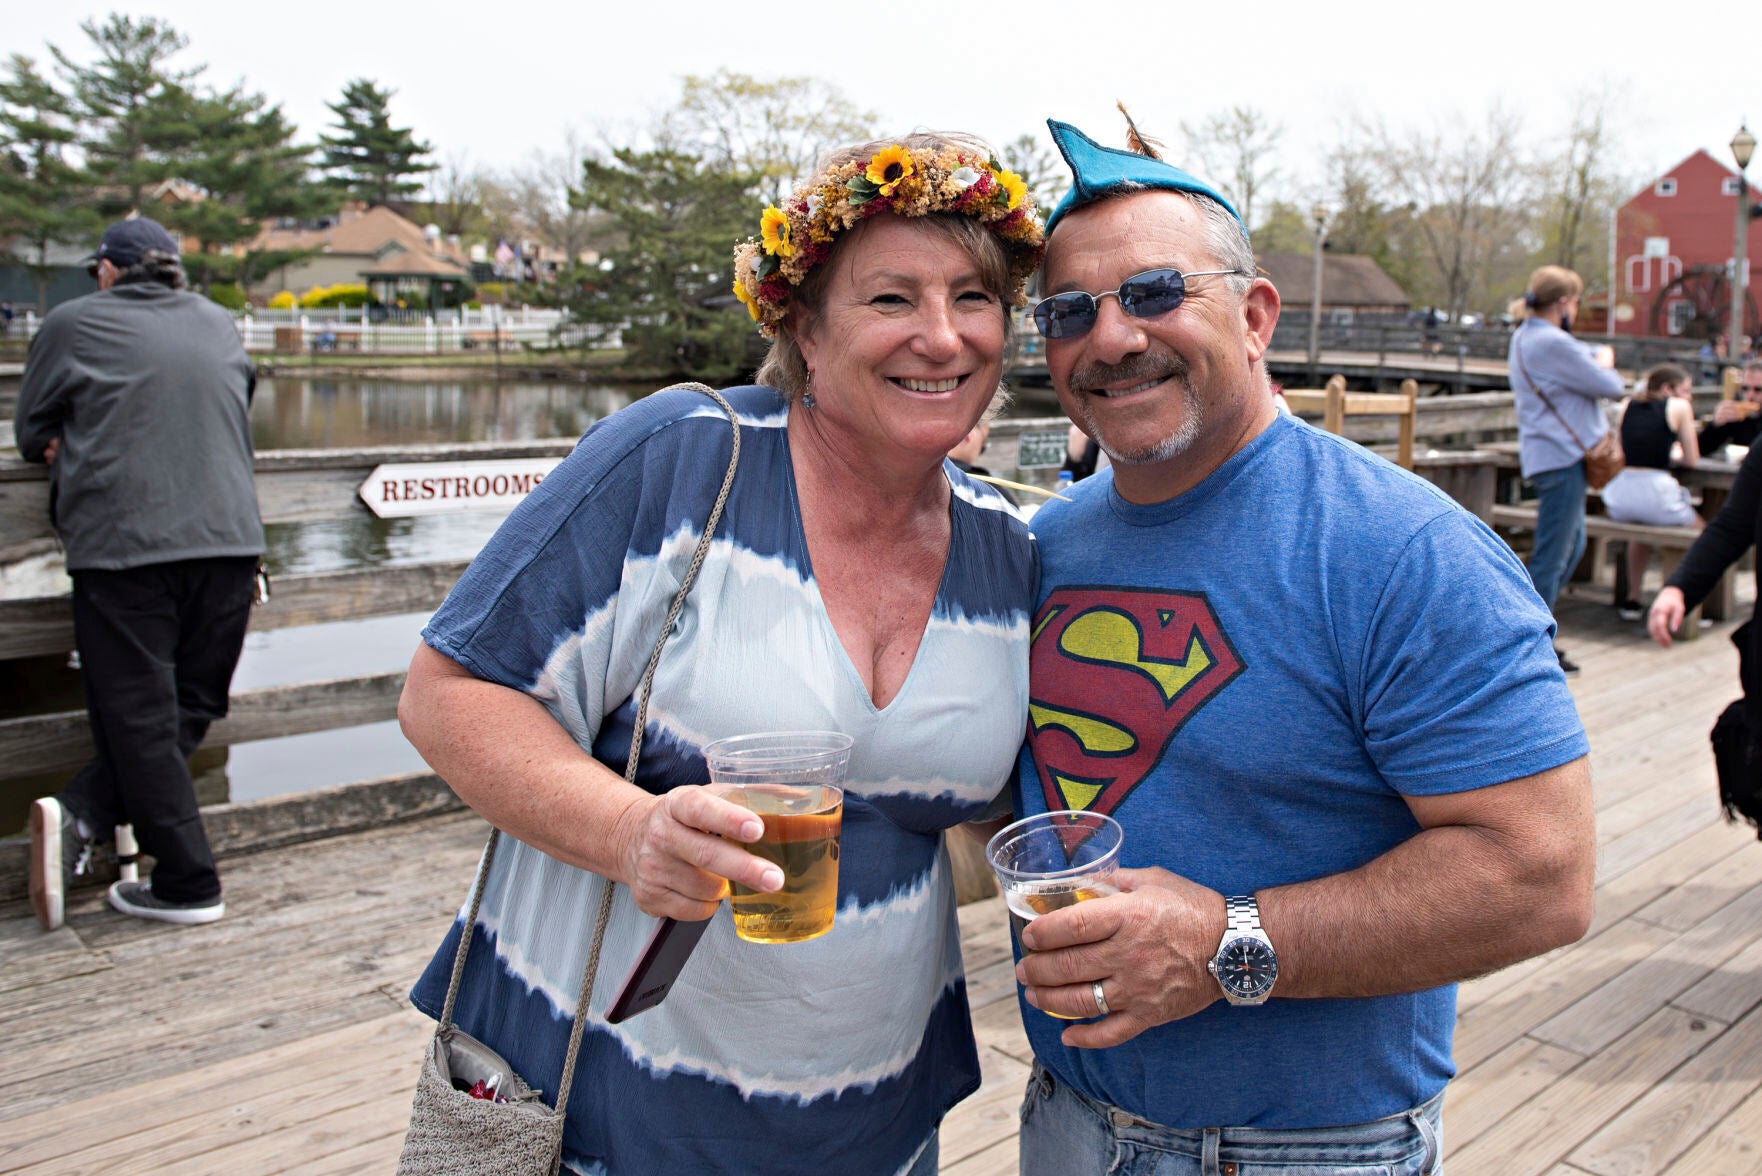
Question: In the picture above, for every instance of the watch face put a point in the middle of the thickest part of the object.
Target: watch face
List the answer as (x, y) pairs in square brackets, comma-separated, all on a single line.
[(1247, 968)]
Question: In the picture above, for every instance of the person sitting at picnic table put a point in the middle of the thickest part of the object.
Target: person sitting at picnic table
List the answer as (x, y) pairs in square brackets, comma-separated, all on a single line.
[(1736, 421), (857, 583), (1645, 491)]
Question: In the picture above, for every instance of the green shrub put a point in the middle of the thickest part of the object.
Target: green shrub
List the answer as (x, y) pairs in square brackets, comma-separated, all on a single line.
[(227, 294)]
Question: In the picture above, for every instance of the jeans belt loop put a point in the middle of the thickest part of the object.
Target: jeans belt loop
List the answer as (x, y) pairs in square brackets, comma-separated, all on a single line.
[(1423, 1124), (1208, 1165)]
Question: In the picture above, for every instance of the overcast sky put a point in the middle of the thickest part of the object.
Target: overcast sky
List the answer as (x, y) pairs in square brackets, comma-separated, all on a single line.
[(490, 82)]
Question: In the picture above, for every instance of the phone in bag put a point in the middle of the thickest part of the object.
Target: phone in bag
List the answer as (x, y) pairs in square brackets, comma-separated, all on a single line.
[(659, 965)]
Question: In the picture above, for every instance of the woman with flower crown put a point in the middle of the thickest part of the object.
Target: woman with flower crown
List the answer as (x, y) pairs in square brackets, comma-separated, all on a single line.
[(857, 582)]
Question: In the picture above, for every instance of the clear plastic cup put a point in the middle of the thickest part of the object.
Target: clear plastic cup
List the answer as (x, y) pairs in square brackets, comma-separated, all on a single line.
[(792, 780), (1054, 860)]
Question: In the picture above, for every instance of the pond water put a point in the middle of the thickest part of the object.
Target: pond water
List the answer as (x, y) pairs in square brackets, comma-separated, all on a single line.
[(321, 414)]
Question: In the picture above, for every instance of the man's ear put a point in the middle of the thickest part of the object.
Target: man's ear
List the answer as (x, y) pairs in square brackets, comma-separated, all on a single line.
[(1260, 313)]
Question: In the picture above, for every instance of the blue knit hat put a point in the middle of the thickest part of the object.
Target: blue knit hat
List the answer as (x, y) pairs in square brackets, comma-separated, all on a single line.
[(1098, 170)]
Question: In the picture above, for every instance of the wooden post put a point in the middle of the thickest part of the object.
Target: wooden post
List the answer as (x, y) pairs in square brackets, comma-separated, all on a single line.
[(1334, 415), (1404, 452)]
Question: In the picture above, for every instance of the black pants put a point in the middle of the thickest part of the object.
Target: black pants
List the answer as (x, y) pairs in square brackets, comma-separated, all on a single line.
[(157, 649)]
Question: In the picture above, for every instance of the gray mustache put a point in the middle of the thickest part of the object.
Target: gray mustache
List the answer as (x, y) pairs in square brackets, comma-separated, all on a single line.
[(1135, 369)]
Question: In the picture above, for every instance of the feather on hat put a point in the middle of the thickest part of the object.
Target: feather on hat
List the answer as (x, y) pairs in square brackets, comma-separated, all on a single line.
[(1098, 170)]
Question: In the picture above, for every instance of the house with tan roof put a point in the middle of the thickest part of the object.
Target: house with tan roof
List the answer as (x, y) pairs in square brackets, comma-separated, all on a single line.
[(388, 252), (1353, 285)]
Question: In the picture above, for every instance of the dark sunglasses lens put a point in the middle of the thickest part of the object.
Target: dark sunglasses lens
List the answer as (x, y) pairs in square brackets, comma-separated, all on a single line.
[(1065, 316), (1152, 293)]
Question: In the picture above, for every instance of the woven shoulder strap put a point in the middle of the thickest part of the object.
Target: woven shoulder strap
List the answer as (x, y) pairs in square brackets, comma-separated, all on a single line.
[(604, 914), (1517, 355)]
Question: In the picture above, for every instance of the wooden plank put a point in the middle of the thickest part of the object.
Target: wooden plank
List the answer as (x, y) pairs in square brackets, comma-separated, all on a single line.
[(992, 1115), (1001, 1159), (1668, 1119), (257, 825), (41, 743), (1699, 897), (44, 625), (206, 1110), (1601, 1016), (1729, 992), (1478, 1100), (1731, 1149), (1495, 1023), (36, 958), (344, 1128), (1545, 1129), (973, 876), (1615, 901), (1677, 824)]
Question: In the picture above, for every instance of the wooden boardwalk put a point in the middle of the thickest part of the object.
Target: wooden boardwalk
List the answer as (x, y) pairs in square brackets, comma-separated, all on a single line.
[(278, 1040)]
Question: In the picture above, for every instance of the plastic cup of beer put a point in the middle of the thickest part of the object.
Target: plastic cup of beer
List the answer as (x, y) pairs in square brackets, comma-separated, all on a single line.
[(793, 781), (1054, 860)]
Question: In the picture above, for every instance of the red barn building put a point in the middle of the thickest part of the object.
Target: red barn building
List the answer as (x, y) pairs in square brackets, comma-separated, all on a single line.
[(1673, 252)]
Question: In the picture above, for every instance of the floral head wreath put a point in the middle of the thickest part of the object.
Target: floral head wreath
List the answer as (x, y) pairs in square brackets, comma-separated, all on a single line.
[(798, 236)]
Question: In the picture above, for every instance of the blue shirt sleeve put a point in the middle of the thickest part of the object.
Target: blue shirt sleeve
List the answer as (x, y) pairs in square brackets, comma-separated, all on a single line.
[(1462, 688)]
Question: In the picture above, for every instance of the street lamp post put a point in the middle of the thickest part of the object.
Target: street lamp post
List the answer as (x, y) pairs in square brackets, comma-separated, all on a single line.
[(1743, 144), (1320, 215)]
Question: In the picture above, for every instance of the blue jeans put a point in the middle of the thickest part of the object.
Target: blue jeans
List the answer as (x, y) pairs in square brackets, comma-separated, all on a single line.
[(1560, 528), (1065, 1133)]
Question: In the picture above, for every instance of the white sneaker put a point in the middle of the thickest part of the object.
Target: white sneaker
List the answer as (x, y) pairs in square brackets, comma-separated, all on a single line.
[(58, 855), (138, 899)]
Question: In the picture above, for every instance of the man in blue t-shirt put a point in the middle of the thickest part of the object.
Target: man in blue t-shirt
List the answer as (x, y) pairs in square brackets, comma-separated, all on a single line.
[(1321, 699)]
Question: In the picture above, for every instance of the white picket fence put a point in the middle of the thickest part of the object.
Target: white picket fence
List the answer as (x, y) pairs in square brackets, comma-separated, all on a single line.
[(346, 329), (407, 334)]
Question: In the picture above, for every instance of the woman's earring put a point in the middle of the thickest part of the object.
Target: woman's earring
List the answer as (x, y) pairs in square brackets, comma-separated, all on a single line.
[(807, 392)]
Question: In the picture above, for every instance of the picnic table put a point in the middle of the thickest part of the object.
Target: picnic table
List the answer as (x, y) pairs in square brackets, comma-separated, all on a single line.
[(1711, 476)]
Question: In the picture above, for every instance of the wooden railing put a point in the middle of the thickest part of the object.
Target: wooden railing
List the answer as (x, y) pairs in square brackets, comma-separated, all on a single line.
[(292, 486), (299, 486)]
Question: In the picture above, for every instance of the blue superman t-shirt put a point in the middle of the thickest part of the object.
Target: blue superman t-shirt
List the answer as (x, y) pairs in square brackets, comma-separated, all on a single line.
[(1249, 677)]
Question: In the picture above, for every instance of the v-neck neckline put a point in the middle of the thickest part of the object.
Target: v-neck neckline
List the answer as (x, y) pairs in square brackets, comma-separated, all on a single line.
[(848, 665)]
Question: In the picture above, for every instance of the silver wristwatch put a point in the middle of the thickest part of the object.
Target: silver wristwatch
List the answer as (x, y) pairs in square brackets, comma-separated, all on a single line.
[(1245, 964)]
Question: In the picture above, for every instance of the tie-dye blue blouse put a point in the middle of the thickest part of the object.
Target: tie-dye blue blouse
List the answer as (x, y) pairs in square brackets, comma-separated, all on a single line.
[(842, 1053)]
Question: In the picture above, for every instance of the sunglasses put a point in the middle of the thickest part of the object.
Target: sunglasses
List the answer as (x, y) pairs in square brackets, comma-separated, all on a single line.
[(1146, 295)]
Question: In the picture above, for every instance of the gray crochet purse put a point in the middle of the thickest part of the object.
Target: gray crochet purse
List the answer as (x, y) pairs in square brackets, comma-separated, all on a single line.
[(453, 1133)]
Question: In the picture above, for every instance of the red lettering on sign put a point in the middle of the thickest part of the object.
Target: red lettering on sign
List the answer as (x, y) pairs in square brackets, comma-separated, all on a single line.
[(521, 483), (409, 489), (480, 485), (388, 490)]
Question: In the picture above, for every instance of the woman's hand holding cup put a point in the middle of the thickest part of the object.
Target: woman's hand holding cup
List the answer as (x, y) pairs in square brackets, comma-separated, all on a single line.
[(679, 852)]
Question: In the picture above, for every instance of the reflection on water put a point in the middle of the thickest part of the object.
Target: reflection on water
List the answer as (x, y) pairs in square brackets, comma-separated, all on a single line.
[(336, 414), (331, 414), (290, 413)]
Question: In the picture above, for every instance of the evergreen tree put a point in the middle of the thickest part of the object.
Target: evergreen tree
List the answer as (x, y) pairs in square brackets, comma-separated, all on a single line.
[(667, 287), (39, 190), (134, 108), (244, 159), (369, 158)]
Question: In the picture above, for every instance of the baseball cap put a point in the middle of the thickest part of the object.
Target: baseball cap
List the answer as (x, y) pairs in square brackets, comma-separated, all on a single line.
[(125, 241)]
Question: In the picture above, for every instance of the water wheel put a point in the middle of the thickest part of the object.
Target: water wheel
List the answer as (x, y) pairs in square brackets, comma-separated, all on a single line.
[(1703, 287)]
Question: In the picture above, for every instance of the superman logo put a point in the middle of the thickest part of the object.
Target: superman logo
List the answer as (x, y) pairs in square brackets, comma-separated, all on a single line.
[(1114, 674)]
